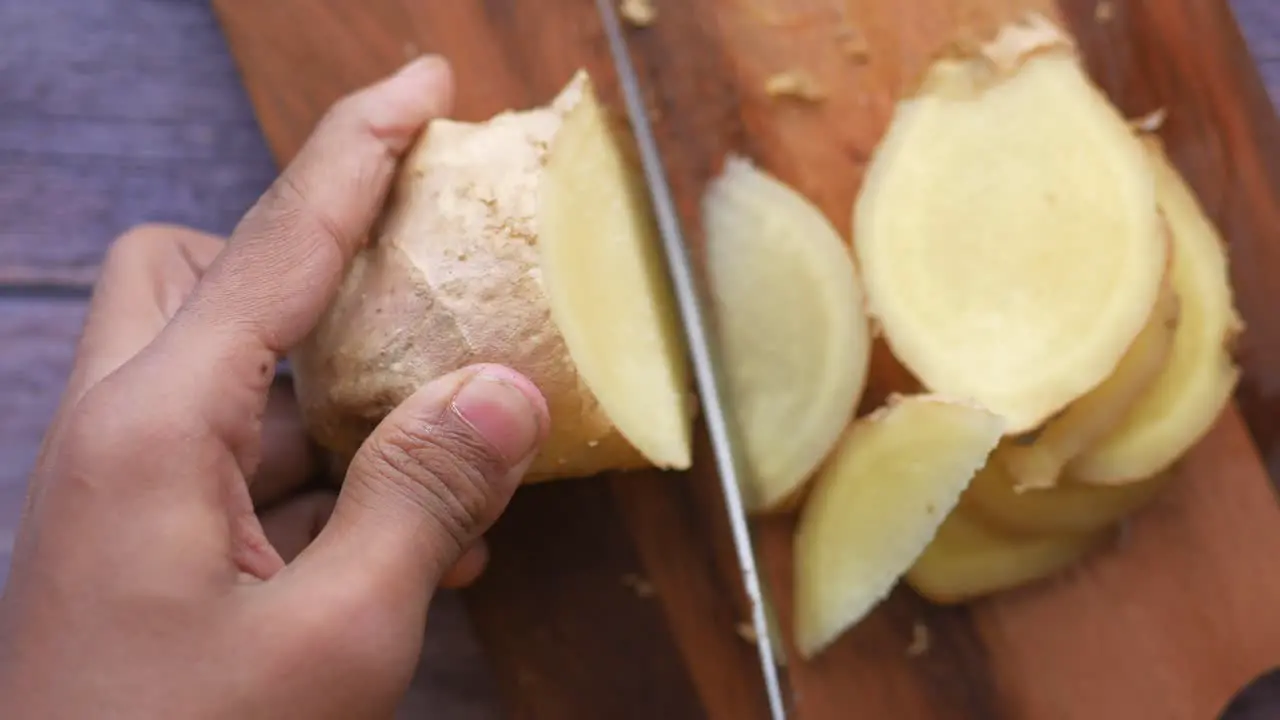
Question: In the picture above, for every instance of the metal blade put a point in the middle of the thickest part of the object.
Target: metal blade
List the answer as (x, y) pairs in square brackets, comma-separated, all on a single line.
[(701, 350)]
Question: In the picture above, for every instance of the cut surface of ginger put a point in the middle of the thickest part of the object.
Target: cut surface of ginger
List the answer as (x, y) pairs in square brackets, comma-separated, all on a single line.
[(968, 559), (1070, 507), (1039, 463), (1000, 266), (1197, 382), (790, 327), (876, 504), (608, 290)]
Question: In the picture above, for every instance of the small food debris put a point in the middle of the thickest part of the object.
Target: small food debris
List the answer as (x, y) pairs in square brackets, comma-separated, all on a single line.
[(593, 443), (1150, 122), (919, 640), (641, 587), (794, 84), (640, 13), (856, 49), (853, 45), (747, 632), (411, 50), (1124, 531), (1104, 11)]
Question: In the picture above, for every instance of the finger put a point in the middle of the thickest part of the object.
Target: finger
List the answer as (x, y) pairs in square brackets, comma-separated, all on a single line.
[(285, 261), (292, 525), (288, 459), (468, 568), (288, 256), (430, 479), (146, 275)]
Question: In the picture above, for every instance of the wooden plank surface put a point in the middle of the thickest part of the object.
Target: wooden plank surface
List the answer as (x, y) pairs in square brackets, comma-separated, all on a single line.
[(705, 64), (118, 113)]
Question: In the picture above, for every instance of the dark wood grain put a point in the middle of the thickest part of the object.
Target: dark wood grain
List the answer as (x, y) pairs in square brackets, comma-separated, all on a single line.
[(118, 113), (704, 65), (533, 51)]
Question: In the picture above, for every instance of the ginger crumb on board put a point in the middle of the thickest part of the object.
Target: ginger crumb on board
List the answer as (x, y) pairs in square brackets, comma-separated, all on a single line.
[(747, 632), (1104, 11), (1124, 532), (919, 640), (794, 84), (852, 45), (640, 13), (641, 587), (1150, 122)]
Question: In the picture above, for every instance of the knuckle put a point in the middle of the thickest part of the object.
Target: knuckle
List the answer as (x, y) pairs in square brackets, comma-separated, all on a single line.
[(153, 243), (443, 469), (138, 244)]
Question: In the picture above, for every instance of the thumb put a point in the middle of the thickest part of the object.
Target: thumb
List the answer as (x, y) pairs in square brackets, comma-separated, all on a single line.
[(430, 479)]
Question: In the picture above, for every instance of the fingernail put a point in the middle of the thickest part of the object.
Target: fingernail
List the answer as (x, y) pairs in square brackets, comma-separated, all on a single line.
[(422, 67), (502, 412)]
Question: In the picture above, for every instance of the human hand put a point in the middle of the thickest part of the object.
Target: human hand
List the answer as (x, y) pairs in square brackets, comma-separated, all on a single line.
[(143, 583)]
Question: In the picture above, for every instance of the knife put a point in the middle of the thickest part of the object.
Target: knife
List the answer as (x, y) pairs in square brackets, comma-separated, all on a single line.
[(707, 373)]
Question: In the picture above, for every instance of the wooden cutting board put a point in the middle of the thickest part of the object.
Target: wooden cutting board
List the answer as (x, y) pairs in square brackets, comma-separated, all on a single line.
[(617, 597)]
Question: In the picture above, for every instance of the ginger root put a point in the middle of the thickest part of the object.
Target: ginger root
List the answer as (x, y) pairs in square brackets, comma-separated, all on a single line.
[(877, 503), (999, 267), (1197, 382), (475, 262), (967, 559), (789, 324), (1069, 507), (1039, 463)]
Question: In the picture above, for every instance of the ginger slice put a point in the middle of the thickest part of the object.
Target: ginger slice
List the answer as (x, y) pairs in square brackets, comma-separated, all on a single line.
[(639, 13), (1187, 398), (1007, 229), (967, 560), (1070, 507), (607, 286), (790, 327), (1083, 423), (876, 504)]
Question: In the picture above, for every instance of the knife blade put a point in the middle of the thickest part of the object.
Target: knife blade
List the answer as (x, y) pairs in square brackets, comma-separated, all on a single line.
[(708, 376)]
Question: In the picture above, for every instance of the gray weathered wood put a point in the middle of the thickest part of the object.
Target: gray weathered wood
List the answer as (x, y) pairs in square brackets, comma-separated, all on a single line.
[(1260, 22), (114, 113), (38, 338)]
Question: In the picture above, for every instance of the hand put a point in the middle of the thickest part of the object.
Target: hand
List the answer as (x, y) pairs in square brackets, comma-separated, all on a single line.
[(143, 582)]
